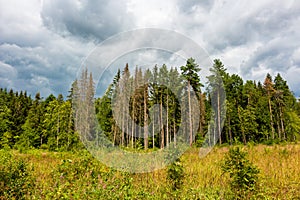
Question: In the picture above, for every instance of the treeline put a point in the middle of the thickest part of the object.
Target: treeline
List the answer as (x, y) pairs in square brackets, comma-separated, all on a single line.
[(36, 123), (147, 109), (252, 112)]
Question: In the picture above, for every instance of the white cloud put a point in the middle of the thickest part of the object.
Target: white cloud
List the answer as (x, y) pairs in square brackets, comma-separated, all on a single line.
[(21, 23)]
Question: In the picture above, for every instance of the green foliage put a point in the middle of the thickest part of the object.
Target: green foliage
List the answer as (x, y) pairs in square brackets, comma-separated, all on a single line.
[(243, 174), (293, 126), (190, 73), (66, 175), (175, 174), (5, 123), (85, 178), (262, 113), (16, 179)]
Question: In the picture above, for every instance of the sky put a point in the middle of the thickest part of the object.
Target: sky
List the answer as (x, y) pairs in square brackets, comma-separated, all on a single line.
[(43, 43)]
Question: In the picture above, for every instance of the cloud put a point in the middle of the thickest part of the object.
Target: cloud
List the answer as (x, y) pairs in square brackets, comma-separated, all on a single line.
[(20, 23), (43, 43), (7, 70), (7, 74), (93, 19), (251, 38), (292, 77), (56, 64)]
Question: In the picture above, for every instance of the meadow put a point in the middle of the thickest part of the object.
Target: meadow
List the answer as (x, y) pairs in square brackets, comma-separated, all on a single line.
[(39, 174)]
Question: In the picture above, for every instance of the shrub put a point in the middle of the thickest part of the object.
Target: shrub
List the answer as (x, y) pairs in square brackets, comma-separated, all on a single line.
[(242, 172), (175, 174), (86, 178), (16, 180)]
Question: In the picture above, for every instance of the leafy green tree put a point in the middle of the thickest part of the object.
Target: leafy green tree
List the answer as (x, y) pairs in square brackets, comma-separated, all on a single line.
[(56, 125), (293, 126)]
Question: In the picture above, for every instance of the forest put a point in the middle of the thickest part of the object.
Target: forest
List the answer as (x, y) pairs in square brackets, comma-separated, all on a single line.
[(256, 112), (148, 110)]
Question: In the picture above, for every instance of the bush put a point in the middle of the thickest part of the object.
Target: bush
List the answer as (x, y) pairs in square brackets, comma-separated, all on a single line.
[(242, 172), (86, 178), (175, 174), (16, 180)]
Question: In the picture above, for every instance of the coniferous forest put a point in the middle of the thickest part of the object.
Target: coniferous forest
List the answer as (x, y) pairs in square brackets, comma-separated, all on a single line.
[(260, 120), (259, 112)]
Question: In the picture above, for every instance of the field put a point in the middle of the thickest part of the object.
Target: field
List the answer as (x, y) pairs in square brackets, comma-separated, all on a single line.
[(77, 175)]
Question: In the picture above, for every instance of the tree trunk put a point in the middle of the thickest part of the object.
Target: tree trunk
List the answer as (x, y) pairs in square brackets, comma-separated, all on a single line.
[(202, 114), (271, 119), (123, 126), (229, 130), (241, 118), (57, 132), (133, 124), (190, 114), (219, 117), (145, 118), (281, 121), (167, 125), (115, 134), (279, 129), (174, 130), (161, 125), (153, 130)]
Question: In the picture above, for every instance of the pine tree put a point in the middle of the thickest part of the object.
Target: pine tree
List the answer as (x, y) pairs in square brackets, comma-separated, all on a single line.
[(32, 135), (190, 73), (5, 133)]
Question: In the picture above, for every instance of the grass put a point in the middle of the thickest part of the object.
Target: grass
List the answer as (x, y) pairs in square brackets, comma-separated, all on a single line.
[(279, 176)]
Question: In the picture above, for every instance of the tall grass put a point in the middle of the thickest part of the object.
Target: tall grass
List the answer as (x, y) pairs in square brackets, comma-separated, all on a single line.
[(78, 175)]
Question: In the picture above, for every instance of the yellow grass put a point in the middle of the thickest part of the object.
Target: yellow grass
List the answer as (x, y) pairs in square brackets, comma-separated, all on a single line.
[(279, 166)]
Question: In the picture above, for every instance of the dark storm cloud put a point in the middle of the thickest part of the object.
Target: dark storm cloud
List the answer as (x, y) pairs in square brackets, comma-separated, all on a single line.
[(43, 45), (45, 69), (90, 19)]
